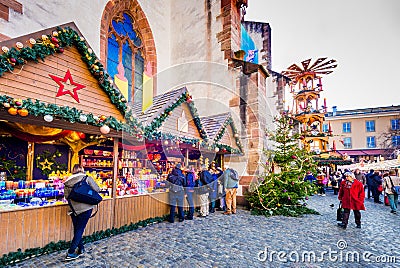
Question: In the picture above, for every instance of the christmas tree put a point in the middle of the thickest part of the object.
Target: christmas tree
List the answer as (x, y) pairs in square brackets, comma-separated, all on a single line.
[(281, 189)]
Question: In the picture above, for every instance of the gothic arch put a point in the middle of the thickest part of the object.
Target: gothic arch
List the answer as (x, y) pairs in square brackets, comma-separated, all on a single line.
[(141, 24)]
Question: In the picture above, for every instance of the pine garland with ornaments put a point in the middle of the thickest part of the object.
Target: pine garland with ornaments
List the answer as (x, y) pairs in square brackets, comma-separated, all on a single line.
[(46, 45), (281, 189)]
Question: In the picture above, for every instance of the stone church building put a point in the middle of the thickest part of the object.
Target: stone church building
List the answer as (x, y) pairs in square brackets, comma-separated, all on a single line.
[(207, 46)]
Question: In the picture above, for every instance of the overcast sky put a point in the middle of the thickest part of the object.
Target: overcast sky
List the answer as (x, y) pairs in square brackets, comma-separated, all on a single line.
[(362, 35)]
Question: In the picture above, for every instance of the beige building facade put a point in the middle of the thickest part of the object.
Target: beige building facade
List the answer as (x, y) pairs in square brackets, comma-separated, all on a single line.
[(364, 135)]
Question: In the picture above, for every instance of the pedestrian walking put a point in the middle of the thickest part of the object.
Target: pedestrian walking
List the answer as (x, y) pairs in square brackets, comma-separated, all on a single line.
[(176, 181), (360, 176), (202, 189), (221, 192), (370, 183), (377, 186), (335, 182), (231, 183), (321, 183), (388, 183), (309, 177), (80, 212), (189, 190), (352, 196), (213, 194)]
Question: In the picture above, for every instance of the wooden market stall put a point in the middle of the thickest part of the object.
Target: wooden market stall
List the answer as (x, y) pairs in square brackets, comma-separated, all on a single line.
[(223, 134), (54, 92)]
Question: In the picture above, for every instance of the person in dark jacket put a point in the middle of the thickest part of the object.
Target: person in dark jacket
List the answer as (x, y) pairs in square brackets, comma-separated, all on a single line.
[(176, 181), (83, 211), (189, 190), (213, 194), (370, 183), (205, 178), (360, 176), (376, 182), (310, 177)]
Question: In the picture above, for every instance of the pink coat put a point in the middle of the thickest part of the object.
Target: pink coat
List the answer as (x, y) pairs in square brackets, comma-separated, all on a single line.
[(352, 198)]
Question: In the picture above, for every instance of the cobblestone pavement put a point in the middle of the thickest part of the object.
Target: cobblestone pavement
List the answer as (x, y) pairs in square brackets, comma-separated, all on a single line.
[(242, 240)]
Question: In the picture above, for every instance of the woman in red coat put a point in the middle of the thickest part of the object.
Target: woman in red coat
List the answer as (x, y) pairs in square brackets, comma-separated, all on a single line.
[(352, 195)]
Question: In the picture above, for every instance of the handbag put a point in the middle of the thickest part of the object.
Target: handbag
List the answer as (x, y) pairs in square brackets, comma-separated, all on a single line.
[(339, 212), (395, 189), (380, 188), (82, 192)]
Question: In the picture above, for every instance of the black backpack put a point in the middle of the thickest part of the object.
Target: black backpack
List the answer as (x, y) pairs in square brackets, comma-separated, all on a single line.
[(82, 192), (175, 183)]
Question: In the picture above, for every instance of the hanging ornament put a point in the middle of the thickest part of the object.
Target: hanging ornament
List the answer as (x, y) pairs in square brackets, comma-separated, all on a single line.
[(216, 149), (5, 49), (81, 135), (12, 111), (105, 129), (237, 135), (165, 142), (83, 118), (6, 105), (23, 112), (48, 118), (32, 41), (19, 45), (18, 102)]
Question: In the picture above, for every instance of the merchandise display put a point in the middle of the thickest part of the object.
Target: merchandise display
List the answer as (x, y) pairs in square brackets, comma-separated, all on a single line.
[(137, 176)]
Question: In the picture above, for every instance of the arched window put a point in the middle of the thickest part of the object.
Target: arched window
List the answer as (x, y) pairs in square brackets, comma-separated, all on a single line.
[(125, 61)]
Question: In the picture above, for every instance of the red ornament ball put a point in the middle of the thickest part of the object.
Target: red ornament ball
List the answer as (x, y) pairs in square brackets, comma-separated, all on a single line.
[(294, 157), (81, 135)]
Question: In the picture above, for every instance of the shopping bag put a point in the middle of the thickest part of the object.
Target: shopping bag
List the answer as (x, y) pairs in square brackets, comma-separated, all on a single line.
[(386, 200), (339, 212), (83, 193)]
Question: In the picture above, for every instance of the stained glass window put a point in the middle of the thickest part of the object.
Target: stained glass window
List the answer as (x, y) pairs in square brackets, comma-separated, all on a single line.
[(125, 61)]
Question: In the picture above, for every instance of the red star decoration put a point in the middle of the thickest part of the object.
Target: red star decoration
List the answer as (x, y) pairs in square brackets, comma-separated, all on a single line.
[(60, 81)]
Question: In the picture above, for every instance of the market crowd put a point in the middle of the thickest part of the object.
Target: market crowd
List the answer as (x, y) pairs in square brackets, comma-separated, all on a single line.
[(206, 190), (352, 187)]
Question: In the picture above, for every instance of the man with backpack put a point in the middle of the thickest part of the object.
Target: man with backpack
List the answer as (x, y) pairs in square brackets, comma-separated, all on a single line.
[(176, 181), (231, 183)]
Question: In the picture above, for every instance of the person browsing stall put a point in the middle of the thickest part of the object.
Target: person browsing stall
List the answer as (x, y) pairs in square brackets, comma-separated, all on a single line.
[(82, 211)]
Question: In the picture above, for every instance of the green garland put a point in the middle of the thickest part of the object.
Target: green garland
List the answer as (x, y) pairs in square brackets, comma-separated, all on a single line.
[(170, 137), (55, 43), (15, 257), (220, 134), (73, 115), (227, 148)]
